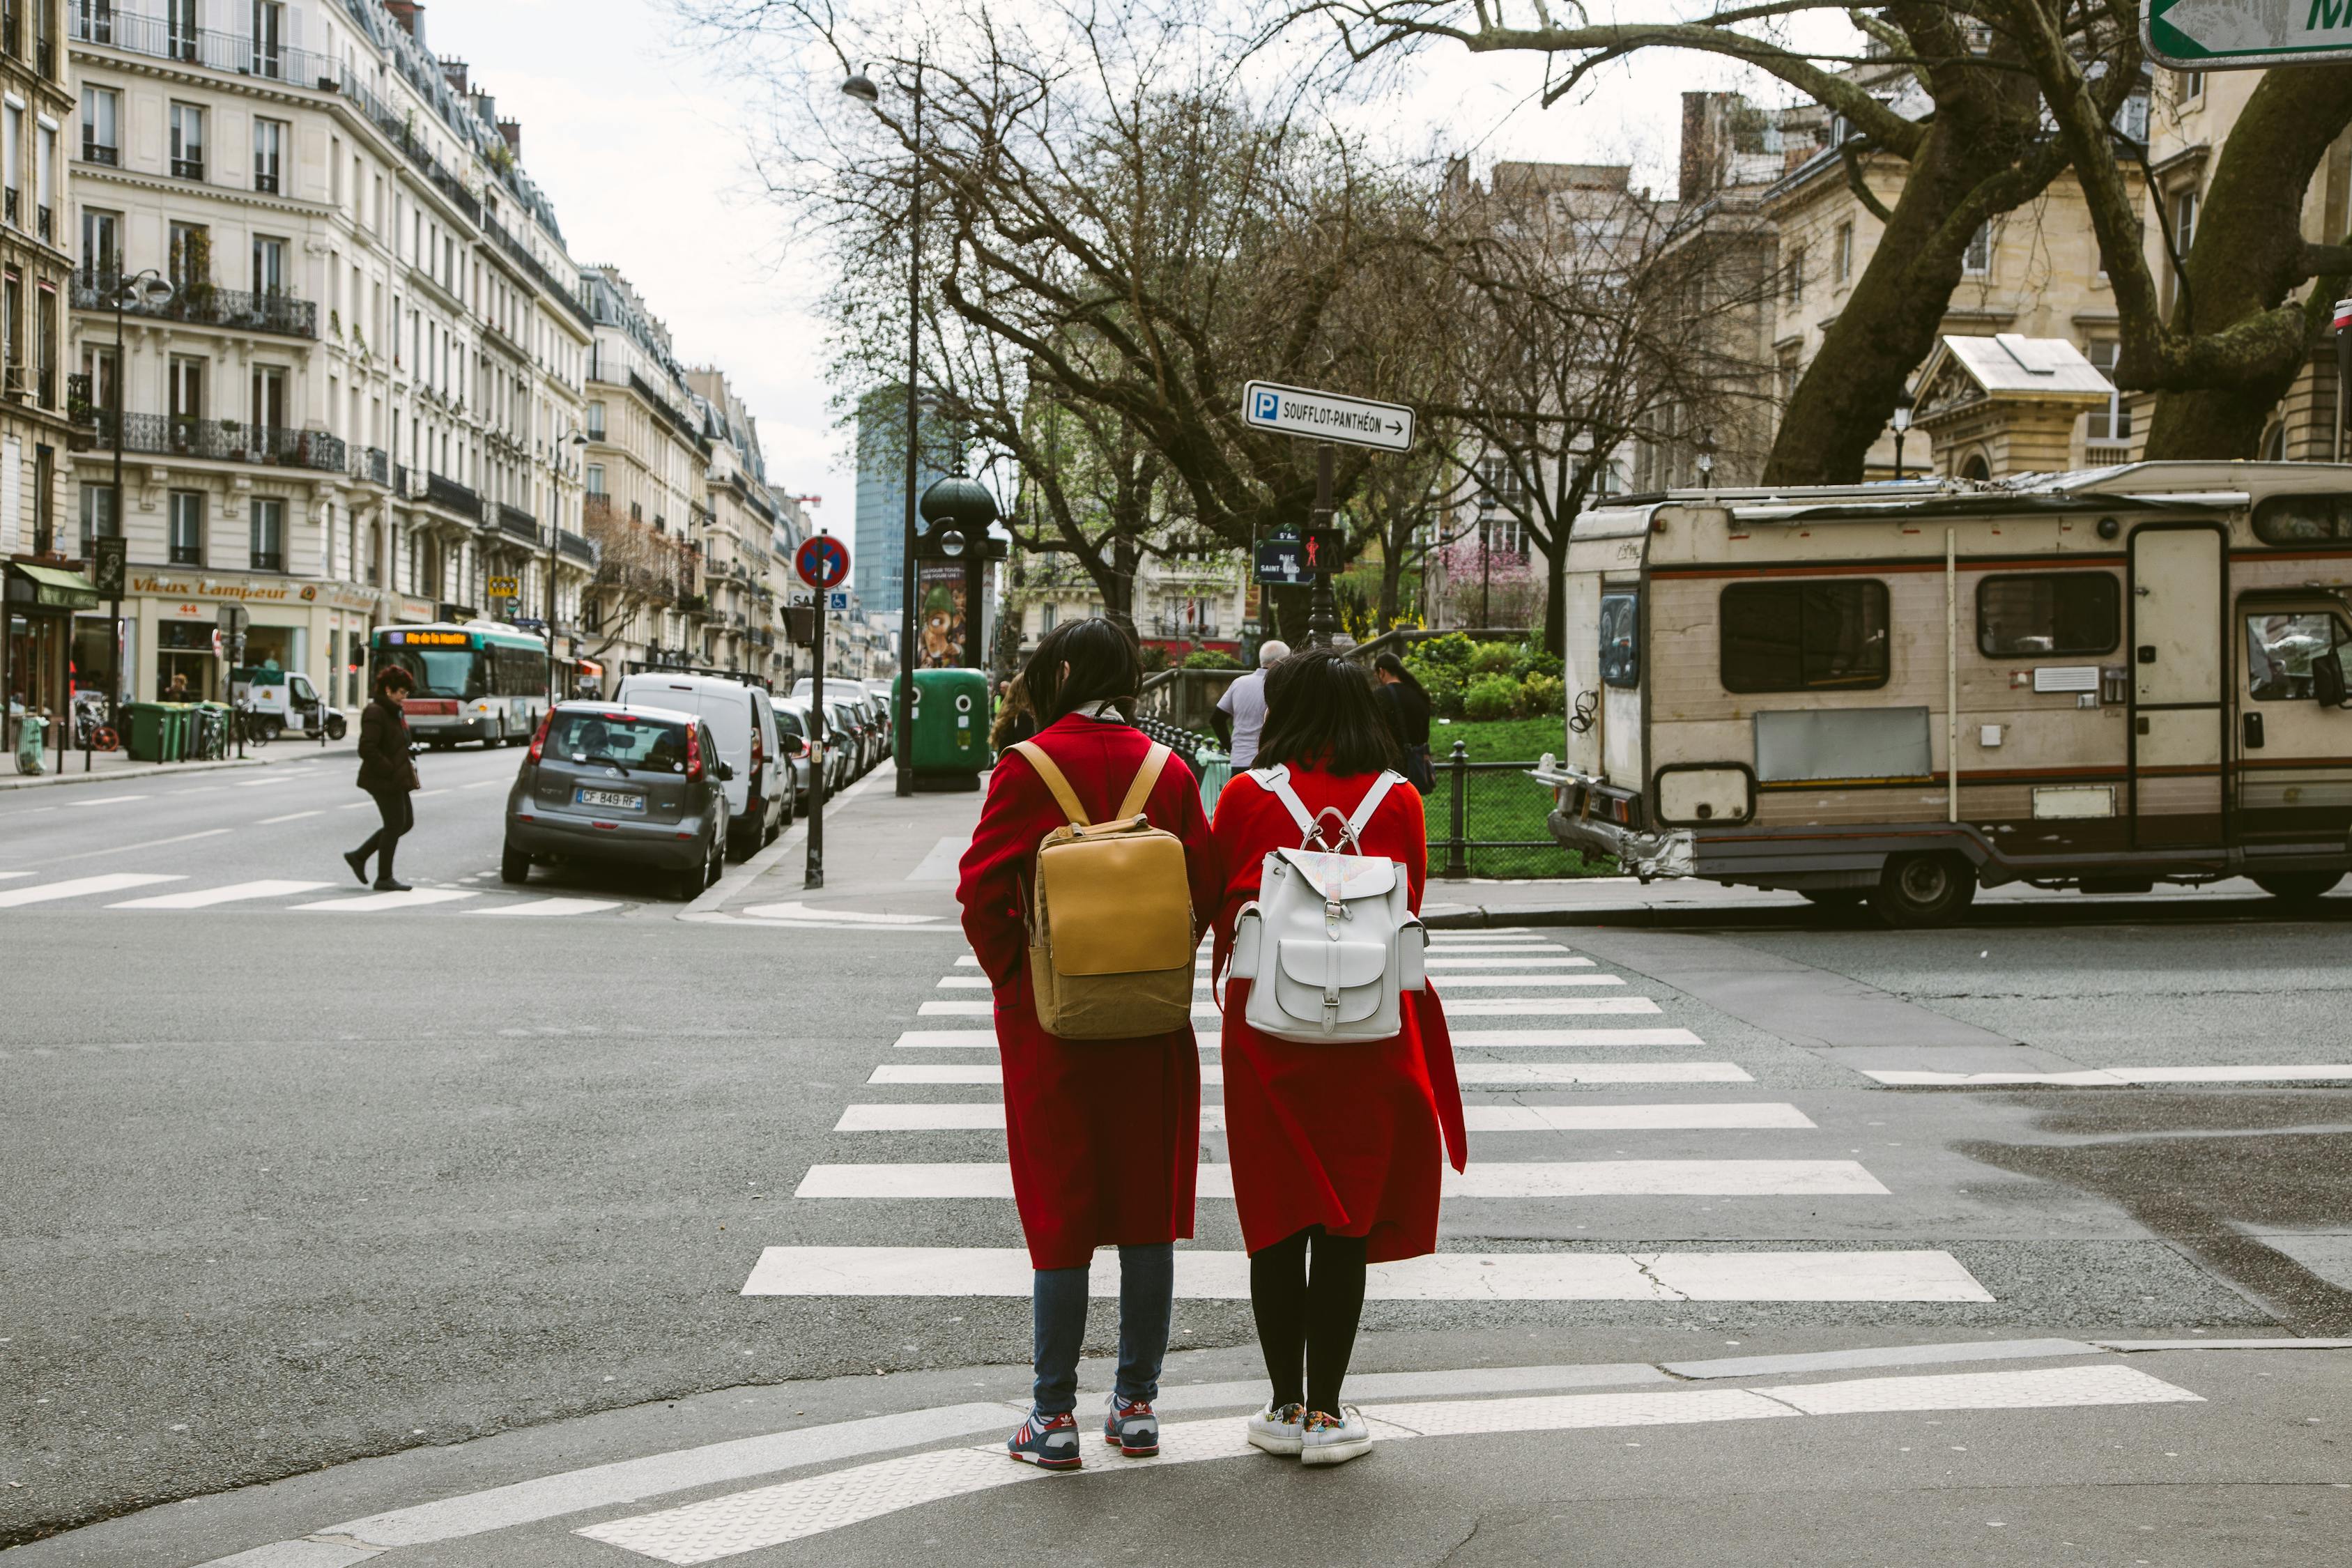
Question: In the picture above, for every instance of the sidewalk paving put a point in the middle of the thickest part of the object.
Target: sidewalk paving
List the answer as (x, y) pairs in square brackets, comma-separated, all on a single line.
[(117, 767)]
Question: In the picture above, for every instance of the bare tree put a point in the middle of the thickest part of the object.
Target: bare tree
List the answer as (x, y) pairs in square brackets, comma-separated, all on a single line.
[(639, 572)]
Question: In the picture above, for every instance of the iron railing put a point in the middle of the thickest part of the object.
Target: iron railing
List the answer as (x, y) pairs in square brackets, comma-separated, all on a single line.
[(1491, 819), (371, 466), (218, 440), (93, 150), (579, 549), (513, 520), (164, 38), (458, 498), (205, 304), (187, 168)]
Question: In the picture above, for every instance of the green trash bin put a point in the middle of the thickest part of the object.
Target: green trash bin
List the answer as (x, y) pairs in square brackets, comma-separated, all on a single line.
[(947, 744), (149, 724)]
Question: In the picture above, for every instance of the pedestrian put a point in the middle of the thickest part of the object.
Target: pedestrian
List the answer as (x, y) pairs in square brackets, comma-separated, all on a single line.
[(1407, 704), (178, 690), (1103, 1134), (1336, 1148), (1241, 712), (1016, 717), (388, 774)]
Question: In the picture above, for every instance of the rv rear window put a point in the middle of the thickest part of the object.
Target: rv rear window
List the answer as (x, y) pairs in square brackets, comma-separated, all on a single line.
[(1620, 640), (2304, 520), (2049, 613), (1805, 636)]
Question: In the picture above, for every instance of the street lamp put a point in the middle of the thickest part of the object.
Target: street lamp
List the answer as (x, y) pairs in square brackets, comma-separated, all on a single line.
[(1485, 551), (1707, 459), (1902, 423), (861, 87), (150, 290)]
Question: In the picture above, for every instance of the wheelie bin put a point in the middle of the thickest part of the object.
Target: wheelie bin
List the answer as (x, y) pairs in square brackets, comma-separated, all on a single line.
[(148, 725), (947, 742)]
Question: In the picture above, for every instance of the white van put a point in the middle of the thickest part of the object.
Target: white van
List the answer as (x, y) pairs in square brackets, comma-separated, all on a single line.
[(745, 728)]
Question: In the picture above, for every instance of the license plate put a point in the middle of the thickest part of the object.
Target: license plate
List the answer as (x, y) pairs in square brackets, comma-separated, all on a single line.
[(617, 800)]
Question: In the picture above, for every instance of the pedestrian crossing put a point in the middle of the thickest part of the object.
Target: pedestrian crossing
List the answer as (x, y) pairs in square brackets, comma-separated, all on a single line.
[(919, 1148), (22, 890)]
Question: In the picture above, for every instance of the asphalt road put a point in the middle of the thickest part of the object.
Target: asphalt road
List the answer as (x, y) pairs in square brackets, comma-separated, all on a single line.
[(288, 1186)]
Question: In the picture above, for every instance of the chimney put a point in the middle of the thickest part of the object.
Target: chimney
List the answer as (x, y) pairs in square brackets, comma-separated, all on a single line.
[(486, 107), (453, 72), (1699, 153), (512, 130), (409, 14)]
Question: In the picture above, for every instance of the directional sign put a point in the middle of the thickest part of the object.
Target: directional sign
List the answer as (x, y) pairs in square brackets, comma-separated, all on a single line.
[(505, 588), (2240, 35), (1328, 415), (822, 561)]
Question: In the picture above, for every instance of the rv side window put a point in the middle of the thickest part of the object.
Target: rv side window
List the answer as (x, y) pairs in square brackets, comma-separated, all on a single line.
[(2303, 519), (1620, 640), (2049, 613), (2280, 648), (1805, 636)]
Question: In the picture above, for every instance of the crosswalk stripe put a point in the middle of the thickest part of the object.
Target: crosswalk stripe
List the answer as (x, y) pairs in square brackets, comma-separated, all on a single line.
[(290, 816), (1444, 959), (1515, 1039), (964, 982), (205, 898), (376, 903), (1484, 1039), (1215, 1275), (1439, 944), (1455, 981), (2097, 1076), (534, 907), (1475, 1075), (1459, 1007), (1549, 1179), (988, 1116), (79, 886)]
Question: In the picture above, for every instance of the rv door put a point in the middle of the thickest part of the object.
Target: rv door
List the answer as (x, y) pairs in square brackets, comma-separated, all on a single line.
[(2179, 594)]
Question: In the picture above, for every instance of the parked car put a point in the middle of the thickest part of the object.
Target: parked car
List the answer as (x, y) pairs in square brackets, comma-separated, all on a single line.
[(880, 692), (613, 782), (848, 744), (745, 726), (799, 749)]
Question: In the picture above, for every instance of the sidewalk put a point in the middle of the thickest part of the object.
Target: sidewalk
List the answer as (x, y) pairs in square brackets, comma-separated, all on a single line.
[(116, 767), (887, 861)]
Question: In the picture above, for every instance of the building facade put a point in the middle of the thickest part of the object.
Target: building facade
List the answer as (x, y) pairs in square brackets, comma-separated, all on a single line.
[(739, 571)]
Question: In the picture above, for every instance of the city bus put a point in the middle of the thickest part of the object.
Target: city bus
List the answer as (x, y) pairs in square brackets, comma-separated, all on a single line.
[(480, 682)]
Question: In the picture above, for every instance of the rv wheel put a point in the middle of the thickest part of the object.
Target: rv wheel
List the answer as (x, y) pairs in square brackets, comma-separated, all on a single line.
[(1916, 892), (2298, 887)]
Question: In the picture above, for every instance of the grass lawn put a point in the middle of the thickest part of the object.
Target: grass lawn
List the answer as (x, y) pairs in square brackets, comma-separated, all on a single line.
[(1499, 740), (1502, 804)]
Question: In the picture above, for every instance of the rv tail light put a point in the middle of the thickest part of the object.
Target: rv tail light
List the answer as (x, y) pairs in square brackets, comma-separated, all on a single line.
[(1657, 525)]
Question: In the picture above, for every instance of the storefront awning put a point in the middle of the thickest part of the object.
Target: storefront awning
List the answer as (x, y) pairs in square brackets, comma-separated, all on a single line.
[(49, 588)]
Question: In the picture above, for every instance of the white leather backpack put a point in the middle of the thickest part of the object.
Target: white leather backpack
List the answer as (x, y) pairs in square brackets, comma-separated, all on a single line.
[(1330, 942)]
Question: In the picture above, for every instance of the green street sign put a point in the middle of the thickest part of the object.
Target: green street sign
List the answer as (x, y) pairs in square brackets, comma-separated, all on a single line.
[(2246, 35)]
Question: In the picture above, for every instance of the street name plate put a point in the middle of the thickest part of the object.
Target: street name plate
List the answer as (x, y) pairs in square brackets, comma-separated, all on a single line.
[(1330, 416), (2244, 35)]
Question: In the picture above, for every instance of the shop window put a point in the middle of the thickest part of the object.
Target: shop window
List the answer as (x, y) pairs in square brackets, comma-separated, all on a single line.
[(1819, 636), (2049, 613)]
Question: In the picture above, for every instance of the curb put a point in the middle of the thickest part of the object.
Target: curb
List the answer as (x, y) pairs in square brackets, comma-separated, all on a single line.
[(736, 878), (138, 771)]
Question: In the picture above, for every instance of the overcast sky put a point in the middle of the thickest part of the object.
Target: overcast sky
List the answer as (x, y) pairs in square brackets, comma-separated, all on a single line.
[(642, 145)]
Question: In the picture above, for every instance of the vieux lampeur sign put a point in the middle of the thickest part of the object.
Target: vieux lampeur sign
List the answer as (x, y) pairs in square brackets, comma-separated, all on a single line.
[(2232, 35)]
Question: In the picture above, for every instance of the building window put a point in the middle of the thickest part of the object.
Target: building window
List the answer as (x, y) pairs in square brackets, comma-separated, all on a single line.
[(98, 519), (1846, 253), (187, 527), (1977, 260), (45, 346), (101, 108), (1797, 276), (269, 398), (101, 244), (269, 38), (95, 20), (187, 142), (12, 329), (2190, 87), (269, 542), (595, 422), (2114, 421), (188, 389), (2049, 613), (44, 499), (595, 478), (1805, 636), (12, 149), (268, 154), (2184, 222), (45, 184), (269, 268)]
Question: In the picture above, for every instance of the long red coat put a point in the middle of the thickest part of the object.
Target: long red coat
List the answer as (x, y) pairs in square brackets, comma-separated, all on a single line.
[(1344, 1136), (1104, 1135)]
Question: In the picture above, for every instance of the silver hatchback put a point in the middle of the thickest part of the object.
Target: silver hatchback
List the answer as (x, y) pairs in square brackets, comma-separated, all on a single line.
[(632, 785)]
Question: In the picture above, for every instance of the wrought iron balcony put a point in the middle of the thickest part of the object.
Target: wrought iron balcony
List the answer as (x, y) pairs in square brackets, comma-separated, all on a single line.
[(576, 547), (449, 493), (205, 304), (188, 169), (371, 466), (218, 440), (93, 150), (164, 38), (521, 524)]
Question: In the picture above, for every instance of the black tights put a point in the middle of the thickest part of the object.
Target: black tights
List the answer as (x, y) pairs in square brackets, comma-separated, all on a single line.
[(398, 817), (1313, 1320)]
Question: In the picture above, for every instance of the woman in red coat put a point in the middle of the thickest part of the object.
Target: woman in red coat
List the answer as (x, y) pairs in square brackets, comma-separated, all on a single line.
[(1335, 1145), (1104, 1135)]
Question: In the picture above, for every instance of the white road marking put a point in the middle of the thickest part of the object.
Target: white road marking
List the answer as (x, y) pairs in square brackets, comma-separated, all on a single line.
[(988, 1116), (1489, 1179), (483, 784), (942, 862), (12, 876), (551, 907), (965, 983), (80, 887), (375, 903), (1444, 960), (967, 1010), (1439, 944), (2109, 1076), (290, 816), (831, 917), (1501, 1075), (147, 844), (206, 898), (105, 800), (1455, 981), (945, 1039), (428, 794), (1541, 1006), (260, 783), (1211, 1276), (1515, 1039), (358, 806)]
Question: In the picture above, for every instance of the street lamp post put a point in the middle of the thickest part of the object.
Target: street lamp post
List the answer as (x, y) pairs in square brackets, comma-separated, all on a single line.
[(153, 291), (1486, 550), (554, 537), (861, 87), (1903, 406)]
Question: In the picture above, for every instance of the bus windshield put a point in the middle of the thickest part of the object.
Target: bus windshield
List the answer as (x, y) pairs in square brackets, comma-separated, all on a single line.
[(437, 671)]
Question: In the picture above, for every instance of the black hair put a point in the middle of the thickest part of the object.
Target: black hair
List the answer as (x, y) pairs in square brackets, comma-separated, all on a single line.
[(1395, 665), (1104, 668), (1320, 712)]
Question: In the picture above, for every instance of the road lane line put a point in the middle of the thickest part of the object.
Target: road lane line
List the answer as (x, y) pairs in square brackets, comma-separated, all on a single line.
[(1205, 1275), (290, 816), (127, 849), (374, 903), (1550, 1179), (80, 887), (2101, 1077), (483, 784), (105, 800), (1442, 959), (207, 897), (988, 1116), (1439, 944)]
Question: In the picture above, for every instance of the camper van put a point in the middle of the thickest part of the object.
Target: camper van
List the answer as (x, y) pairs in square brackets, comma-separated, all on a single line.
[(1903, 693)]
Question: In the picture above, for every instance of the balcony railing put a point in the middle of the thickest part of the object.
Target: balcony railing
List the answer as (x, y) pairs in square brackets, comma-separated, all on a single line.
[(371, 466), (163, 38), (397, 127), (45, 228), (449, 493), (11, 204), (187, 168), (93, 150), (203, 304), (219, 440), (574, 546), (514, 520)]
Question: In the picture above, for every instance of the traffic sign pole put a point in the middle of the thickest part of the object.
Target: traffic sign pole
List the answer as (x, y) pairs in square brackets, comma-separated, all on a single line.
[(1322, 610), (822, 562)]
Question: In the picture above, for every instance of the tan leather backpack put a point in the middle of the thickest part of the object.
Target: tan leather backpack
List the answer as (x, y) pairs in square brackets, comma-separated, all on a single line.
[(1111, 935)]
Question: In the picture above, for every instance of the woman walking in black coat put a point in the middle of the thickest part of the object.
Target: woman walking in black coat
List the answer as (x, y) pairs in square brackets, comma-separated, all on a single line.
[(388, 774), (1407, 706)]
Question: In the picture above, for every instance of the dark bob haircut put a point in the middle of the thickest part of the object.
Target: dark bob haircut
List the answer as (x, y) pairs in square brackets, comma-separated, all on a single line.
[(1395, 665), (1103, 668), (391, 675), (1321, 712)]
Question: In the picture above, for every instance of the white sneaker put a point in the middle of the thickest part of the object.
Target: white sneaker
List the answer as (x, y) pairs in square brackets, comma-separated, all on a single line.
[(1276, 1429), (1334, 1439)]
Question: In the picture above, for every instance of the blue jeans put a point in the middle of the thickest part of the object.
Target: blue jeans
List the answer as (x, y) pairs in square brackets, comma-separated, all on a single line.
[(1147, 1299)]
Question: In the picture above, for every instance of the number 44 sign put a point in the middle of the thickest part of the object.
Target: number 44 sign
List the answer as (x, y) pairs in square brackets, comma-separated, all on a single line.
[(2240, 35)]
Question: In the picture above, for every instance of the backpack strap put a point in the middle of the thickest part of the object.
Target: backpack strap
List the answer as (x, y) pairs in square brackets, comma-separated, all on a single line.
[(1276, 782), (1370, 803), (1064, 796), (1146, 778)]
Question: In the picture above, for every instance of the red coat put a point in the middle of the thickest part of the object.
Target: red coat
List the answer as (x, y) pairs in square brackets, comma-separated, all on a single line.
[(1344, 1136), (1104, 1135)]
